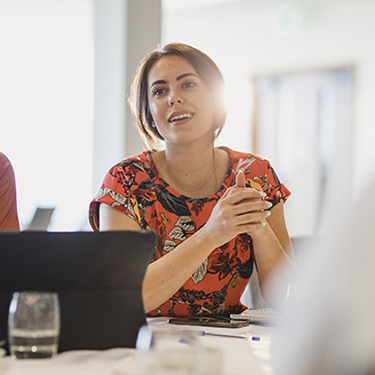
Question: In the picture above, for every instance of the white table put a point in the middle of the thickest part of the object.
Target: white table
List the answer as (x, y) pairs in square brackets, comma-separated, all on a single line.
[(238, 355)]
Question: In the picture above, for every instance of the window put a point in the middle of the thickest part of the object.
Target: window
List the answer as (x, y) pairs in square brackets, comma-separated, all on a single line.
[(303, 126)]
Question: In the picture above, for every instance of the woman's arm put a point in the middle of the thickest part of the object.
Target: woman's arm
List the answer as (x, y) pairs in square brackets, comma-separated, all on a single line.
[(274, 258), (166, 275), (238, 211), (8, 200), (273, 254)]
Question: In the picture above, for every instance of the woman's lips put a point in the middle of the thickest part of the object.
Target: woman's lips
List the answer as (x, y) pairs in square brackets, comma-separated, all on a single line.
[(180, 116)]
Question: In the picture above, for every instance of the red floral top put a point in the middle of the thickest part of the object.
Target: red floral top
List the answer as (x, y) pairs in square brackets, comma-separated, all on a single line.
[(135, 187)]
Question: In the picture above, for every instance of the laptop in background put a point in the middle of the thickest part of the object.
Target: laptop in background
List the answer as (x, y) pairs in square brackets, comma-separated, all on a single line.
[(98, 277), (41, 219)]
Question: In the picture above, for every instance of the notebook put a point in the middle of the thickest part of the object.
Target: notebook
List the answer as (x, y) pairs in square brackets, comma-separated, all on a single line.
[(98, 277), (264, 316)]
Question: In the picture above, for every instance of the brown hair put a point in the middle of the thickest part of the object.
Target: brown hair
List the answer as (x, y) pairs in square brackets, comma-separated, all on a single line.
[(203, 65)]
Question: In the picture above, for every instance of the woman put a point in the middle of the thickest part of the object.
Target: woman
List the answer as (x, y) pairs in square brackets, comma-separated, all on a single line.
[(212, 227), (8, 197)]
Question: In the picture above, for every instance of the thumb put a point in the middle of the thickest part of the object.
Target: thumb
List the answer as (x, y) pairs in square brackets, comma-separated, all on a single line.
[(240, 180)]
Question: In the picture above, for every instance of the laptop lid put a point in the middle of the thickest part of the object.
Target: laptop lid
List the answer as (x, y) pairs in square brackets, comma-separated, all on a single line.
[(97, 275), (41, 219)]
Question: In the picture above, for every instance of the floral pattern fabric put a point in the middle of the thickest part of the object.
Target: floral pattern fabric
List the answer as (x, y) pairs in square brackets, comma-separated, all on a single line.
[(135, 187)]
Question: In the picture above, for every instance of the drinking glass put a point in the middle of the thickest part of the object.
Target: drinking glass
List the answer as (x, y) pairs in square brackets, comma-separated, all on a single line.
[(33, 325), (175, 352)]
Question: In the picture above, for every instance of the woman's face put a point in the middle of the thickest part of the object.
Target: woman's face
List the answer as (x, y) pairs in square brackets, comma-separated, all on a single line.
[(180, 103)]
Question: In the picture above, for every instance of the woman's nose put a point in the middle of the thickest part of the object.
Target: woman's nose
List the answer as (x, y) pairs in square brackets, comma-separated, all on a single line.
[(174, 99)]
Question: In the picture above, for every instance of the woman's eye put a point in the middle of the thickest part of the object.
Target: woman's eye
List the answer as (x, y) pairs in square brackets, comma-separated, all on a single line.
[(157, 92), (189, 84)]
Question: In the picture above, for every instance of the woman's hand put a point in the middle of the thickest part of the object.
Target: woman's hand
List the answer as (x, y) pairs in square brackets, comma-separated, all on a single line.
[(239, 210)]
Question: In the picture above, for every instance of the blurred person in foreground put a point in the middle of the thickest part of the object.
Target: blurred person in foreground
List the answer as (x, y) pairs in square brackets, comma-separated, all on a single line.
[(217, 212), (329, 325), (8, 197)]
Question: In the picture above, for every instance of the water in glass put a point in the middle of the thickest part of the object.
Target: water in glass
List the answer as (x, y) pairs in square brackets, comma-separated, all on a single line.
[(33, 325)]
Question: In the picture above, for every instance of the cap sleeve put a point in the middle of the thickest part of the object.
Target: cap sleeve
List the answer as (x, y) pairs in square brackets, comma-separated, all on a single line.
[(264, 178), (114, 194), (276, 191)]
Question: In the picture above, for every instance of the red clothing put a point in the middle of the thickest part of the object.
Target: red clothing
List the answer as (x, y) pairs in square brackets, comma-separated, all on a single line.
[(8, 201), (135, 187)]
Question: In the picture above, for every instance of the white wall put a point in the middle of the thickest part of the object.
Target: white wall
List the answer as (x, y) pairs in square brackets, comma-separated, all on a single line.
[(109, 87), (66, 66), (250, 37), (46, 110)]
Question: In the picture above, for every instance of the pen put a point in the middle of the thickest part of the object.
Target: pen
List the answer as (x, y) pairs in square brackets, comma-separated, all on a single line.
[(203, 333)]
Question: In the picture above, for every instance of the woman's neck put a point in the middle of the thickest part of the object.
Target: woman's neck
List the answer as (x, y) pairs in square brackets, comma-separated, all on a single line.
[(196, 172)]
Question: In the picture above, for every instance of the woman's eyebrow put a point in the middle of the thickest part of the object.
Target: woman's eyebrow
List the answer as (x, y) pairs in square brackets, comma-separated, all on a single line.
[(162, 81), (185, 75)]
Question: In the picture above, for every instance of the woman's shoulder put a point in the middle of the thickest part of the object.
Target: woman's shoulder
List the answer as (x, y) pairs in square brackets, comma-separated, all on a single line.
[(3, 158), (239, 157), (140, 163), (4, 161), (5, 165)]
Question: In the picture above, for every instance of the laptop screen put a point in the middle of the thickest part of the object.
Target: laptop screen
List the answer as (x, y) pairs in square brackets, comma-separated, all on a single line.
[(97, 275)]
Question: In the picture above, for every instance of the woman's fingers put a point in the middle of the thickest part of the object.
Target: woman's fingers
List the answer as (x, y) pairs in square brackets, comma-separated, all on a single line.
[(253, 205), (239, 210), (252, 217), (236, 216), (236, 196), (240, 180), (251, 227), (244, 206)]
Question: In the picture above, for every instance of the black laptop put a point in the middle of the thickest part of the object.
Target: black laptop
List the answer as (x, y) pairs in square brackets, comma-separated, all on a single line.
[(97, 275)]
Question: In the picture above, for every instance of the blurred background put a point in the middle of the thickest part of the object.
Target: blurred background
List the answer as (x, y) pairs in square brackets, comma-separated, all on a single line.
[(300, 92)]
